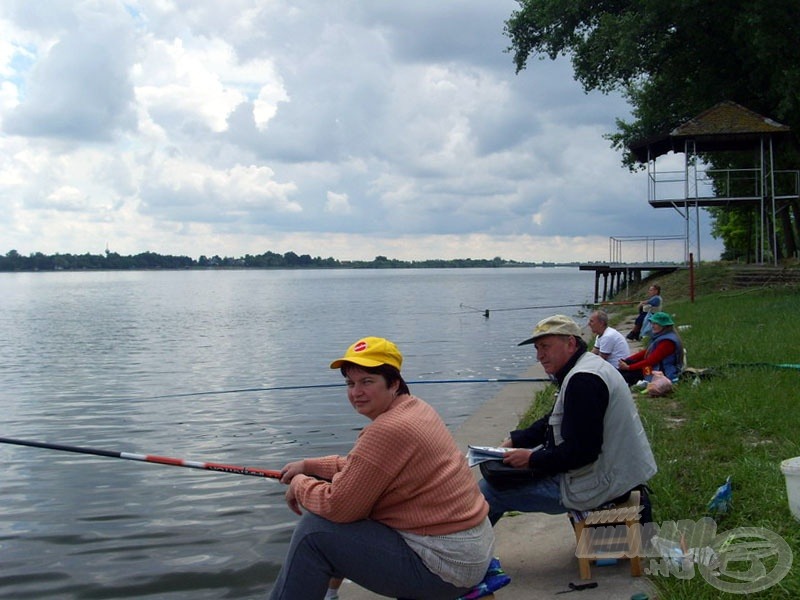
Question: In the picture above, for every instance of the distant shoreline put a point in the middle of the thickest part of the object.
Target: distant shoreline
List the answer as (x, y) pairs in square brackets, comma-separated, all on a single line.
[(13, 261)]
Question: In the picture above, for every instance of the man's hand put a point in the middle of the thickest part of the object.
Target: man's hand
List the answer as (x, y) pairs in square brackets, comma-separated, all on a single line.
[(519, 458)]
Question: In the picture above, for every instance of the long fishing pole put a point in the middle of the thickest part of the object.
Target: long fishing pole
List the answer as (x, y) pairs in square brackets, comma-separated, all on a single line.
[(486, 311), (150, 458), (334, 385)]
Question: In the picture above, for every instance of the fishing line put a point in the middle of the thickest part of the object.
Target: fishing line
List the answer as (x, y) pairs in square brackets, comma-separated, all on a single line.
[(150, 458), (462, 305), (208, 466), (486, 311), (226, 468), (536, 307), (336, 385)]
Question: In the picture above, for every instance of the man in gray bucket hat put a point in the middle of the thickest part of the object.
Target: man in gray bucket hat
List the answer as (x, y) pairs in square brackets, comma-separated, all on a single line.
[(591, 449)]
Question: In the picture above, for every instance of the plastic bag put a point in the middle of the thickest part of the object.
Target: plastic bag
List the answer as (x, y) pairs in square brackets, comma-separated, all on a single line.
[(659, 385)]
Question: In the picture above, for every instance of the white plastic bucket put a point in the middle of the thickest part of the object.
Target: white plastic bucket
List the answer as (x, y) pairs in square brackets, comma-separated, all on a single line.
[(791, 470)]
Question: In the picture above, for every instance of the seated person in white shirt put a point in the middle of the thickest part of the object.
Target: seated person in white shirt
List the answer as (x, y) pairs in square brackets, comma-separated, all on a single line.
[(610, 343)]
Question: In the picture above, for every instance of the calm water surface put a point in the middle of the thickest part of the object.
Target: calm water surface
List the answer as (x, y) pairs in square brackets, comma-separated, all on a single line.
[(87, 358)]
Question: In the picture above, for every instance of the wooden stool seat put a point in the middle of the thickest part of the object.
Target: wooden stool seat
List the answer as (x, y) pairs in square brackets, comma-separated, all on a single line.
[(609, 533)]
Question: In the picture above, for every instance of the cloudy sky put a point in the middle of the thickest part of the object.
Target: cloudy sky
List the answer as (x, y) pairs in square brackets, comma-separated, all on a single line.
[(344, 128)]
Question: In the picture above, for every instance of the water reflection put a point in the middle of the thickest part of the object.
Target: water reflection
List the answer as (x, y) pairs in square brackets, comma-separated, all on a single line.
[(86, 353)]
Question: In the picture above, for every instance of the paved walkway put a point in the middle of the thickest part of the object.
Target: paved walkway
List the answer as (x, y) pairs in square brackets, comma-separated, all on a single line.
[(537, 551)]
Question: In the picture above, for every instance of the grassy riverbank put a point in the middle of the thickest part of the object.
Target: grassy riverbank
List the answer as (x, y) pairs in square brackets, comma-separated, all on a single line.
[(740, 421)]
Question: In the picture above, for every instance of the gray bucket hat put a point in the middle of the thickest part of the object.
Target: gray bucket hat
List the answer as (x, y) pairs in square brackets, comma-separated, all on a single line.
[(555, 325)]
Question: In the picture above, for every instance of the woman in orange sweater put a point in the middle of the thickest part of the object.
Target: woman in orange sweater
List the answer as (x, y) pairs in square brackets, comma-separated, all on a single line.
[(401, 514)]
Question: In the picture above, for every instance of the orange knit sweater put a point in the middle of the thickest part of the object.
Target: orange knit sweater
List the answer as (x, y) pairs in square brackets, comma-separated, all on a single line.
[(405, 470)]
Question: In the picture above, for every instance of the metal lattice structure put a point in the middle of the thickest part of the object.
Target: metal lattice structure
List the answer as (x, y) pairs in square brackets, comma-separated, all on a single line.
[(724, 127)]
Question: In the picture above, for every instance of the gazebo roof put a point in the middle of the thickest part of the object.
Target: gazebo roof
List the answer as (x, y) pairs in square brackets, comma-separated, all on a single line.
[(725, 126)]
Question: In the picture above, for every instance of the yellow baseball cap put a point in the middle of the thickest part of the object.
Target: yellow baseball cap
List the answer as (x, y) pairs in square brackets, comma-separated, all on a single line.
[(371, 352)]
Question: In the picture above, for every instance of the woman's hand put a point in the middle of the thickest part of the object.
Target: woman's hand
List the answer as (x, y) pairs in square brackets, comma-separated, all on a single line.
[(519, 458), (290, 470), (291, 501), (623, 366)]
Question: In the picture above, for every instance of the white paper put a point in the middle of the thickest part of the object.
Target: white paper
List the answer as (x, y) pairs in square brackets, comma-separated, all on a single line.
[(478, 454)]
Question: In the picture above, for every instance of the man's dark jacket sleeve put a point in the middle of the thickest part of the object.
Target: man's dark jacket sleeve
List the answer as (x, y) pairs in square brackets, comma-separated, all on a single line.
[(585, 403)]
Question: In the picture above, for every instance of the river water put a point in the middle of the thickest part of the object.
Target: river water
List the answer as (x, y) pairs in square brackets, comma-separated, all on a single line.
[(225, 366)]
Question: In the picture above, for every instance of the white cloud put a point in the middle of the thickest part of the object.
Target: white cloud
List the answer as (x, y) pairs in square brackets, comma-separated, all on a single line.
[(338, 203), (187, 192), (266, 104), (180, 85), (71, 87), (205, 127)]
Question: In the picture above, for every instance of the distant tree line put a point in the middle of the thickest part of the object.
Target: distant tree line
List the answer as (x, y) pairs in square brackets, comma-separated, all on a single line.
[(14, 261)]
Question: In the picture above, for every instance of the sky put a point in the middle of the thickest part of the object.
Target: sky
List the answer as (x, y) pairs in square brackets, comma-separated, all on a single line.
[(346, 129)]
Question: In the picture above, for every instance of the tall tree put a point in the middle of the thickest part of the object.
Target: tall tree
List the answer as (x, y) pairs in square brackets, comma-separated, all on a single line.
[(673, 59)]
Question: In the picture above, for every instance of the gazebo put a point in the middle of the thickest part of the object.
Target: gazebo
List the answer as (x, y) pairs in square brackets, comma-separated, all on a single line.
[(725, 127)]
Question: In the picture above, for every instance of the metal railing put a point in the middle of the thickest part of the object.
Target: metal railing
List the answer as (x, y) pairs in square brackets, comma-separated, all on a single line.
[(669, 249), (743, 184)]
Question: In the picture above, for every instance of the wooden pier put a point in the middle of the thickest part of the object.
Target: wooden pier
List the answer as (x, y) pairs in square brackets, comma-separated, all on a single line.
[(617, 276)]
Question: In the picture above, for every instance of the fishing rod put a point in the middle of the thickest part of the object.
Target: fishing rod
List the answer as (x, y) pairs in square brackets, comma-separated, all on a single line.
[(150, 458), (764, 364), (335, 385), (487, 310)]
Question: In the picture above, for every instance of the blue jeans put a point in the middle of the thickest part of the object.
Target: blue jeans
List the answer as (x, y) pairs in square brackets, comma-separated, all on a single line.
[(367, 552), (540, 495)]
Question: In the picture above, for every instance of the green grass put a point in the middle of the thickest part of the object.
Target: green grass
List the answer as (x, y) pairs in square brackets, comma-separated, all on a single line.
[(740, 421)]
